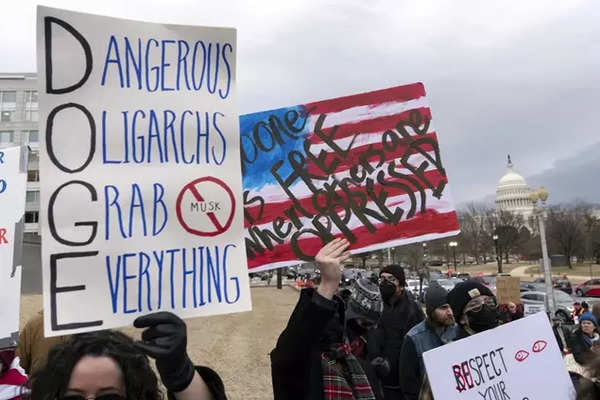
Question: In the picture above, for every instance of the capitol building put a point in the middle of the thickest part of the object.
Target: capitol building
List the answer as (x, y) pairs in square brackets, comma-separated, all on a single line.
[(512, 193)]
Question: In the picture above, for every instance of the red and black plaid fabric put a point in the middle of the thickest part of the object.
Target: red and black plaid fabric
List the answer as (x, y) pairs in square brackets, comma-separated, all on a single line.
[(351, 385)]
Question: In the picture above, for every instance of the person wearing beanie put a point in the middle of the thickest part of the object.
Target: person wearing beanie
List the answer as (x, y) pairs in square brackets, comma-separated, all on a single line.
[(363, 310), (585, 341), (400, 314), (474, 306), (438, 329), (312, 358)]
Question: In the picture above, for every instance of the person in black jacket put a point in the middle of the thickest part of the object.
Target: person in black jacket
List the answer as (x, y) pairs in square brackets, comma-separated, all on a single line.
[(109, 365), (400, 314), (312, 359), (585, 339)]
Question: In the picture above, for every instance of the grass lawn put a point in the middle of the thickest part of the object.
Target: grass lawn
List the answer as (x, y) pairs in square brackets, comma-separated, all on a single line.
[(578, 269), (489, 268)]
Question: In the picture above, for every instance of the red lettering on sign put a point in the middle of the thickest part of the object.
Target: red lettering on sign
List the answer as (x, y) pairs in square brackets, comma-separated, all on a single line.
[(3, 239)]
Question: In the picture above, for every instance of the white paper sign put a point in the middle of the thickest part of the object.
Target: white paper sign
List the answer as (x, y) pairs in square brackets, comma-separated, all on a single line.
[(140, 171), (13, 181), (518, 361)]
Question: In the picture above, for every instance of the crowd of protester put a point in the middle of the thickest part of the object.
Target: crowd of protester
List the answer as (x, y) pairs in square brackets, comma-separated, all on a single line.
[(363, 342)]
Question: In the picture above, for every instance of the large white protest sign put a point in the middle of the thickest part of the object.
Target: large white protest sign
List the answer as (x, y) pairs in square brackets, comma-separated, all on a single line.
[(13, 181), (518, 361), (140, 171)]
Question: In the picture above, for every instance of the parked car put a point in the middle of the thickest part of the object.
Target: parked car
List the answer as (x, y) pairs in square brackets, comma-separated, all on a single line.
[(463, 276), (413, 286), (447, 284), (559, 283), (532, 287), (564, 303), (590, 288)]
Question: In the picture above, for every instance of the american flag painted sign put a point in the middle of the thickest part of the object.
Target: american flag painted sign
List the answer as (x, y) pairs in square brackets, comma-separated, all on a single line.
[(366, 167)]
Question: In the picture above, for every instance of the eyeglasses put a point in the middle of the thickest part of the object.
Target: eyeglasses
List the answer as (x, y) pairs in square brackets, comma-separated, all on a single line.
[(477, 303), (109, 396)]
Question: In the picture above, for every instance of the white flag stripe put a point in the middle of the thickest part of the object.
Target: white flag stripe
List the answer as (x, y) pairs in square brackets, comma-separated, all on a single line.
[(363, 113)]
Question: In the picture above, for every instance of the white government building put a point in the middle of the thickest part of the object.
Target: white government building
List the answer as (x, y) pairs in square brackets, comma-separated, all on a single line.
[(512, 194)]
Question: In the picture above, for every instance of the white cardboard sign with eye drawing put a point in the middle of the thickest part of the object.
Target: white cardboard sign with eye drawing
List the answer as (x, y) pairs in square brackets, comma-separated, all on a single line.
[(517, 361)]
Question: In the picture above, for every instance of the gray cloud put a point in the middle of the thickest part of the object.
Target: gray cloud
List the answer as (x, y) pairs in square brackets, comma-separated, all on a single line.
[(502, 78)]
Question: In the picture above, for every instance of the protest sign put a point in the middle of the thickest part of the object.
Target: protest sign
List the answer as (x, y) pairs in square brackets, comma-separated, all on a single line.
[(366, 167), (13, 184), (518, 360), (508, 289), (141, 181)]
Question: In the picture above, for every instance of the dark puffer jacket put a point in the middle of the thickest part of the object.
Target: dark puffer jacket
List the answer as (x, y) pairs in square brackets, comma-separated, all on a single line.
[(396, 320)]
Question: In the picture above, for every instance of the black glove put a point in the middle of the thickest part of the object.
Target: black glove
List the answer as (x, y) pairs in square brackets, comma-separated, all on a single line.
[(381, 366), (165, 340)]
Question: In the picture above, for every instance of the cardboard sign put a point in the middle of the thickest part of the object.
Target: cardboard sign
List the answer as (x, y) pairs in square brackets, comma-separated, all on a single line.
[(508, 289), (366, 167), (517, 360), (141, 181), (13, 184)]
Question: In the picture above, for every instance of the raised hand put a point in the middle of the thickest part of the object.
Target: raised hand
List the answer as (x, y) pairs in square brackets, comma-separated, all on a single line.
[(329, 260)]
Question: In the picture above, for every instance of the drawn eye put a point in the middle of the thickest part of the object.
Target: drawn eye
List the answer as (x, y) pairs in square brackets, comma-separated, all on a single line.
[(539, 345), (521, 355)]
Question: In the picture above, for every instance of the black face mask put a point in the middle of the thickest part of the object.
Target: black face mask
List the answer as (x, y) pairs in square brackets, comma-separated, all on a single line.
[(484, 319), (387, 290)]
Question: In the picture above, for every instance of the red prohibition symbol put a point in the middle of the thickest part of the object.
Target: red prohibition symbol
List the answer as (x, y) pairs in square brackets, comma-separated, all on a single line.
[(217, 226)]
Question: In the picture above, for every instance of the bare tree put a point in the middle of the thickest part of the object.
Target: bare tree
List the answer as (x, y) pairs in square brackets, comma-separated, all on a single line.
[(506, 225), (566, 229), (475, 238)]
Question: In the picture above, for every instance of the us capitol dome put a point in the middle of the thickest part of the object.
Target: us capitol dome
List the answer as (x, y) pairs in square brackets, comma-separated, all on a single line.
[(512, 193)]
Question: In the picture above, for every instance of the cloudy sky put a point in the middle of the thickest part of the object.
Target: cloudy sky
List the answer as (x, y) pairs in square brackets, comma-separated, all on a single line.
[(502, 77)]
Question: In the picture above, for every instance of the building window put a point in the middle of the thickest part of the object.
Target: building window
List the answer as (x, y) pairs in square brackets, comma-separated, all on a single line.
[(33, 175), (8, 105), (31, 197), (6, 137), (31, 105), (31, 217), (31, 137), (31, 115), (31, 99)]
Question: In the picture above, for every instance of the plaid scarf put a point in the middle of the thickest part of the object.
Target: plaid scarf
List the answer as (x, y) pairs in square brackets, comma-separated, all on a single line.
[(352, 385)]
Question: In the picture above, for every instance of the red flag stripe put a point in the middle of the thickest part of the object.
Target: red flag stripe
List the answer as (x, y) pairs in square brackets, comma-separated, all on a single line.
[(421, 224), (396, 94)]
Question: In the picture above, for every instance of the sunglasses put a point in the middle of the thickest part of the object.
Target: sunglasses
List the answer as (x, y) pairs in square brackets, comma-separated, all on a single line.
[(109, 396)]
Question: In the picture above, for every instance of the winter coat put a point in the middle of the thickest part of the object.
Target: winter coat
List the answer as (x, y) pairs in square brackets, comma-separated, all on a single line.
[(419, 339), (296, 360), (582, 351), (12, 378), (33, 347), (396, 320)]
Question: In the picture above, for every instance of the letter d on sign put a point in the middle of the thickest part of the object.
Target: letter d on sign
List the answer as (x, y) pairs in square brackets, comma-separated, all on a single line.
[(48, 21)]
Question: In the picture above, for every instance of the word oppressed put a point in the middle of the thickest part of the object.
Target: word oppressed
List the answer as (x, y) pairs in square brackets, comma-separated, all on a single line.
[(373, 173)]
